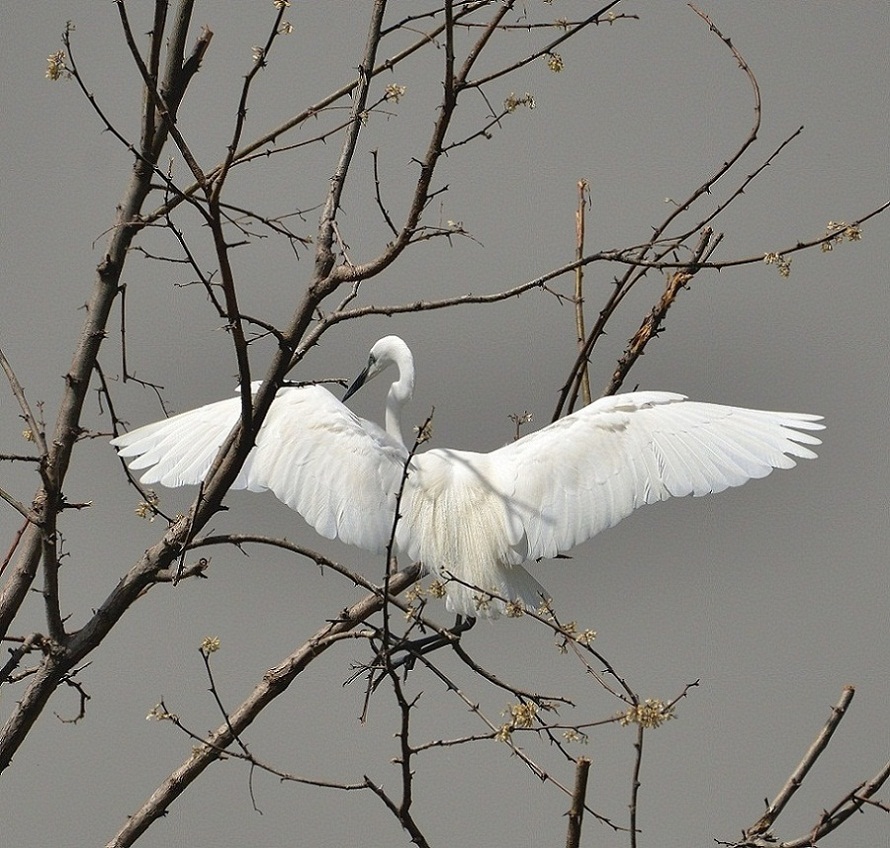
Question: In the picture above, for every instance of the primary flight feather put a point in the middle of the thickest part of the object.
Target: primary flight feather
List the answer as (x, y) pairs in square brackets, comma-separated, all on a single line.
[(473, 518)]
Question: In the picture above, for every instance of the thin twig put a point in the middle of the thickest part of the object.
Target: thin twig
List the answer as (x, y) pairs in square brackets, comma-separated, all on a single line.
[(580, 332), (17, 390), (654, 320)]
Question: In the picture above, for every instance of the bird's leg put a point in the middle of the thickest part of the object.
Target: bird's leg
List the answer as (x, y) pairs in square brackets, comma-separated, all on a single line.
[(414, 648), (418, 647)]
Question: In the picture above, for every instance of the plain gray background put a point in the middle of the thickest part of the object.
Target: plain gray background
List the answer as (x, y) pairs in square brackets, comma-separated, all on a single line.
[(775, 595)]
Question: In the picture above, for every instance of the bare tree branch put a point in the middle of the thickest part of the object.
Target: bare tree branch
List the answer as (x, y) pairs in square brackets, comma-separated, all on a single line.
[(786, 793), (458, 43), (576, 811), (274, 683)]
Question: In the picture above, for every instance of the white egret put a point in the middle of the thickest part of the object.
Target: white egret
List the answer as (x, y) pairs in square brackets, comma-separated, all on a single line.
[(472, 518)]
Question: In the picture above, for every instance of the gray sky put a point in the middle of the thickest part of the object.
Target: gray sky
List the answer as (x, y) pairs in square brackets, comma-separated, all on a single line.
[(775, 595)]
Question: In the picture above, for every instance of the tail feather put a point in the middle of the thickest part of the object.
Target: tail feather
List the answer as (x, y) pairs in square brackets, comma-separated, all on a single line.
[(513, 583)]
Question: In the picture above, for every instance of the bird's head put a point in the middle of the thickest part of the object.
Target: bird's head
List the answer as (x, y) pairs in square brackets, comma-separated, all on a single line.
[(390, 350)]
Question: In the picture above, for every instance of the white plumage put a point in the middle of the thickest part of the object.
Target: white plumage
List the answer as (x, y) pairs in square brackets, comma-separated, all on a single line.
[(474, 518)]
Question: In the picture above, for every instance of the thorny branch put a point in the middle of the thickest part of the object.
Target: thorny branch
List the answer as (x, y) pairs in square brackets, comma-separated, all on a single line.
[(274, 683), (760, 834), (38, 545), (637, 271), (59, 656)]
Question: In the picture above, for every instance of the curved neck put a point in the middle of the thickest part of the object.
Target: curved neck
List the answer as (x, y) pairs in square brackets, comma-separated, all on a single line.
[(399, 394)]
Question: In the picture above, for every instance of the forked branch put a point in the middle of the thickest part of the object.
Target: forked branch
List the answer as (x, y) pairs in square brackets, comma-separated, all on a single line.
[(760, 835)]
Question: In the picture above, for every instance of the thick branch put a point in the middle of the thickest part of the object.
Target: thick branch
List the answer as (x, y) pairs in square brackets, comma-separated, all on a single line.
[(786, 793), (576, 812), (324, 256), (312, 111), (67, 429), (274, 683)]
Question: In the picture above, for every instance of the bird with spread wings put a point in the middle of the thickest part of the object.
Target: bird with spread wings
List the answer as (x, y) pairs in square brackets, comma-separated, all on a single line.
[(473, 518)]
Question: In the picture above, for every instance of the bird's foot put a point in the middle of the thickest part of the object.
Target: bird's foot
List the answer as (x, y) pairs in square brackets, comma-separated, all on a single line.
[(404, 653)]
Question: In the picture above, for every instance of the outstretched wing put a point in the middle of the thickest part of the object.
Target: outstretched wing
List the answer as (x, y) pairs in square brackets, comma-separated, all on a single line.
[(584, 473), (338, 471)]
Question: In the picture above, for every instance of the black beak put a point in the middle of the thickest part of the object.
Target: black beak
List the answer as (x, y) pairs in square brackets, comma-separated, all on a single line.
[(357, 383)]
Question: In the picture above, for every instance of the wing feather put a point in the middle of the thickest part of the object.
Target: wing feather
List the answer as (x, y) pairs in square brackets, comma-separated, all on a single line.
[(338, 471), (540, 495), (584, 473)]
